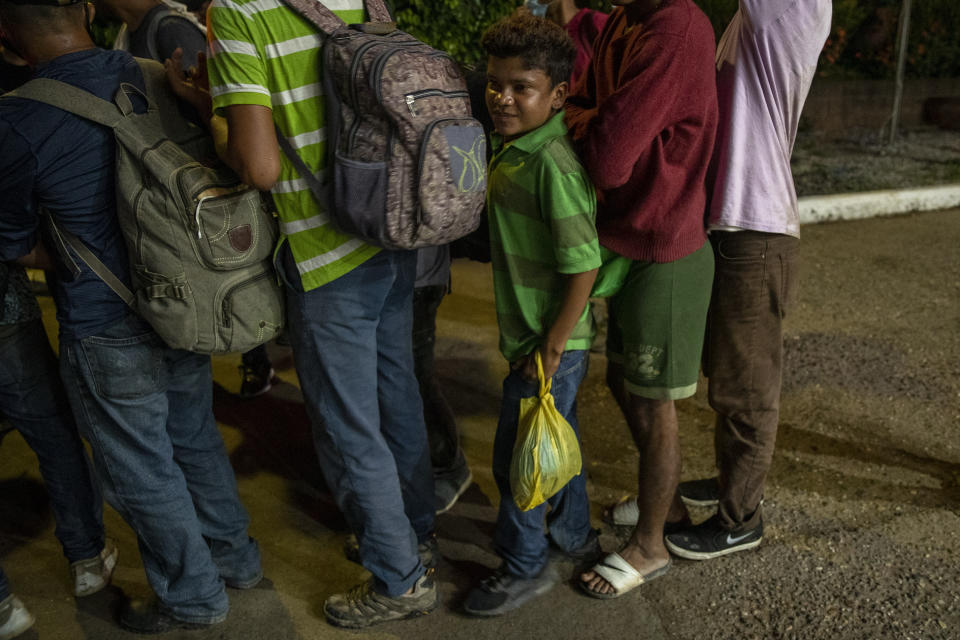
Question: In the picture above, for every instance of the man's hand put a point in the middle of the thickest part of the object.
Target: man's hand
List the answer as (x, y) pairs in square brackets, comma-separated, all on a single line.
[(192, 87), (38, 258)]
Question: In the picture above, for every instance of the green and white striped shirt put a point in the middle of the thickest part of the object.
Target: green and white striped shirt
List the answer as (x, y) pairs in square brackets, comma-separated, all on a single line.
[(263, 53)]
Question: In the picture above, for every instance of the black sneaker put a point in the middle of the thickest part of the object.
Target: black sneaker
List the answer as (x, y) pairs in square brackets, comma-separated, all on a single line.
[(587, 553), (150, 616), (448, 486), (503, 592), (255, 381), (700, 493), (362, 606), (710, 539)]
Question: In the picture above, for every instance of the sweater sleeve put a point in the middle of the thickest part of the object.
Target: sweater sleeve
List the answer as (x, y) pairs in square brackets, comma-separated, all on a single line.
[(613, 135)]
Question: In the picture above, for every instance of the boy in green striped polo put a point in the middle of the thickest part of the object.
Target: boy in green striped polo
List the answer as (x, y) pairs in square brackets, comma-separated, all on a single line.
[(349, 308), (545, 258)]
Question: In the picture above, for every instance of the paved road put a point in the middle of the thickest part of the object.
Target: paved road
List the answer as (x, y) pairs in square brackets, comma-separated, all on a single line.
[(862, 507)]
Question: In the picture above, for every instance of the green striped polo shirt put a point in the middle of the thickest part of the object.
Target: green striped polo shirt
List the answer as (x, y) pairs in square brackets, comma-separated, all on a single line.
[(542, 210), (263, 53)]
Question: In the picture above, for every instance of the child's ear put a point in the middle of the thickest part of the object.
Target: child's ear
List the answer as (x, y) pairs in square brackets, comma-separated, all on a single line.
[(560, 94)]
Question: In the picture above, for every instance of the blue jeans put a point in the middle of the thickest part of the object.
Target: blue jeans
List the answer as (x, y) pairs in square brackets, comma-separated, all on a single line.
[(352, 347), (146, 410), (520, 537), (4, 586), (32, 398)]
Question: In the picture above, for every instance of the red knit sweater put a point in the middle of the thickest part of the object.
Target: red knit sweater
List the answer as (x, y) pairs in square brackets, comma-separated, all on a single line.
[(644, 121)]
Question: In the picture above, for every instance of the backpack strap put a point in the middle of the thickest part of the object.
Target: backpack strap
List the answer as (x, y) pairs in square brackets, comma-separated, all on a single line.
[(327, 21), (319, 190), (71, 99), (63, 238), (153, 29), (317, 14), (377, 11)]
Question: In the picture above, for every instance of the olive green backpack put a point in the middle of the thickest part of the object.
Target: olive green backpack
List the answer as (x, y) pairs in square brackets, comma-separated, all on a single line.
[(200, 241)]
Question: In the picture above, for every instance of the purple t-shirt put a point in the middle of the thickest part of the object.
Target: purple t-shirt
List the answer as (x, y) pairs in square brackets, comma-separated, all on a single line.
[(766, 61)]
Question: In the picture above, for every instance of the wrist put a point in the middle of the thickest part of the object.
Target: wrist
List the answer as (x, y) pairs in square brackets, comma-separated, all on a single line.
[(553, 346)]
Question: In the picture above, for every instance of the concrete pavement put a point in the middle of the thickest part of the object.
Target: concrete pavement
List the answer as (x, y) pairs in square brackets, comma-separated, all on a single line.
[(862, 509)]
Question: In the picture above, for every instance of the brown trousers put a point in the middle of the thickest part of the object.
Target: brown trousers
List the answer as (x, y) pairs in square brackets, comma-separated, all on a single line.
[(752, 289)]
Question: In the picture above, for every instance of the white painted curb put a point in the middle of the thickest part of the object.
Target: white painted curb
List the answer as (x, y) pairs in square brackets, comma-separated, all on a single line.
[(870, 204)]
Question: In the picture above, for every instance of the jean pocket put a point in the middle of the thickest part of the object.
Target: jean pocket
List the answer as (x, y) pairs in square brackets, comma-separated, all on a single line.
[(125, 367), (734, 249)]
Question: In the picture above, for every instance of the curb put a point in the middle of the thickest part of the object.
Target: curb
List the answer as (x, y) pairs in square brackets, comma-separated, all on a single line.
[(871, 204)]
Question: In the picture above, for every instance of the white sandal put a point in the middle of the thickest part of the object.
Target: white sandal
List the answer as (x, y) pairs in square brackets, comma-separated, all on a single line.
[(620, 575), (624, 513)]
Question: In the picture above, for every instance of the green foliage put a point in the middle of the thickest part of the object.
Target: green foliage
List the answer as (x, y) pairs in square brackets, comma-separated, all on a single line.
[(454, 26), (863, 39), (104, 31), (720, 12)]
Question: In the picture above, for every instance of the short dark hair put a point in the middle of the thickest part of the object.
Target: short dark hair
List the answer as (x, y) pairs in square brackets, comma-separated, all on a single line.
[(40, 16), (539, 43)]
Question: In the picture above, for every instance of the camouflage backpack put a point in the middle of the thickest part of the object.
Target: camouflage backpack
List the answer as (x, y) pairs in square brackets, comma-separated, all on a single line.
[(200, 241), (407, 161)]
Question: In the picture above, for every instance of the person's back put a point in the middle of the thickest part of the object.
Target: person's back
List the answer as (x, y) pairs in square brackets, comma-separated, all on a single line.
[(69, 162), (270, 58), (144, 408), (644, 118), (766, 61), (349, 307)]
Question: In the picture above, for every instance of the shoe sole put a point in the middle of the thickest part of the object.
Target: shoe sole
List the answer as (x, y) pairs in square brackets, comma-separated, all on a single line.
[(246, 584), (695, 502), (680, 552), (463, 489), (350, 624)]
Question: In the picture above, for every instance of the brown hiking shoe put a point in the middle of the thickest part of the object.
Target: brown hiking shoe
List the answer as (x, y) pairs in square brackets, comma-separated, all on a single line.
[(362, 606)]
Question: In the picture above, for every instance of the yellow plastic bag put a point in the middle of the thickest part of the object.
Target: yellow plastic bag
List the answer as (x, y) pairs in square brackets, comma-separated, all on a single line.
[(546, 454)]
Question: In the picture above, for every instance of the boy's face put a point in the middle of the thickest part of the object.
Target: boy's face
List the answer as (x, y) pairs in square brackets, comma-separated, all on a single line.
[(520, 100)]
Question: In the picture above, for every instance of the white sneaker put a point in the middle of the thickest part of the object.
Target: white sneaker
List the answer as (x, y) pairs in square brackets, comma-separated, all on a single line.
[(14, 618), (93, 574)]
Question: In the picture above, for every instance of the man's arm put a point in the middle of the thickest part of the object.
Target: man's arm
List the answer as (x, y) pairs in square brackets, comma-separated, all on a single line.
[(252, 150), (613, 135)]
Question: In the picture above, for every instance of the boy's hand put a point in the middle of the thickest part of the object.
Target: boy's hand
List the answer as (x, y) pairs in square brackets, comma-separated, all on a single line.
[(527, 365)]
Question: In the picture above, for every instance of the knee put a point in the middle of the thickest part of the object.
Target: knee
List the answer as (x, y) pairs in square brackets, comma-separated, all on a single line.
[(653, 414)]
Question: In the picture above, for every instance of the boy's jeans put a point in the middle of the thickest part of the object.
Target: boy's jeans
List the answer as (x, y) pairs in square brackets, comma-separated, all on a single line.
[(32, 397), (146, 410), (351, 342), (520, 537)]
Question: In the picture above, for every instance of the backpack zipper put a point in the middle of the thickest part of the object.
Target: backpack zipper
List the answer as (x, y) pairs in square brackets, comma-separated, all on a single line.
[(411, 98), (226, 306), (377, 69), (374, 71)]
